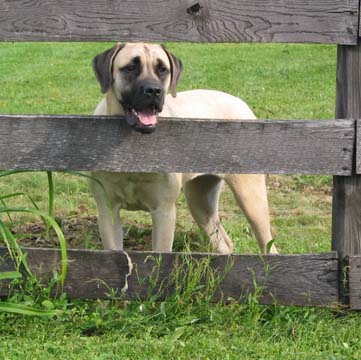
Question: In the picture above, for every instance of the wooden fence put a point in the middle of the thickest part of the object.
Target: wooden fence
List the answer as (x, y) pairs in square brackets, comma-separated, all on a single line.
[(284, 147)]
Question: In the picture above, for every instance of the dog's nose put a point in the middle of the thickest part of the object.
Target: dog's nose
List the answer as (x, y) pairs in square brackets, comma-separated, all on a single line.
[(152, 91)]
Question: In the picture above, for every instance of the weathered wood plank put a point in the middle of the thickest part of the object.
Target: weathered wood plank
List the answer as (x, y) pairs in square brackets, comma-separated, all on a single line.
[(323, 21), (87, 270), (346, 215), (354, 274), (346, 220), (310, 280), (358, 145), (284, 279), (103, 143)]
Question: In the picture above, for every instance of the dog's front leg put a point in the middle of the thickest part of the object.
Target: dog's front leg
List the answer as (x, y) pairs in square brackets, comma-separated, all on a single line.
[(110, 229), (163, 219)]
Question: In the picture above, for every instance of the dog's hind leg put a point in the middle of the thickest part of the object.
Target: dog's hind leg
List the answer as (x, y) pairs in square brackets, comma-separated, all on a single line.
[(251, 195), (202, 195)]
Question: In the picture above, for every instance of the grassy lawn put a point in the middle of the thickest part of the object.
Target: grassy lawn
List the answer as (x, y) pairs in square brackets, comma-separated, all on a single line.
[(279, 82)]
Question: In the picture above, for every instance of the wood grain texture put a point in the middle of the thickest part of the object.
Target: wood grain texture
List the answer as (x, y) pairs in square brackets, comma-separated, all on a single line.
[(358, 145), (354, 273), (310, 280), (87, 270), (346, 220), (109, 144), (323, 21)]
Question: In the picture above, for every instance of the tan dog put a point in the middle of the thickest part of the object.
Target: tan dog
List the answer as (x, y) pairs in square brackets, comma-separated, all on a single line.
[(135, 79)]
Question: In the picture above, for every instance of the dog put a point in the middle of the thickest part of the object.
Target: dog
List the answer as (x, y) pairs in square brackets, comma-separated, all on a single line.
[(135, 78)]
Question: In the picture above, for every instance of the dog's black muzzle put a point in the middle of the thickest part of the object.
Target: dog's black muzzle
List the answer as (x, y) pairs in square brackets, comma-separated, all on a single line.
[(142, 105)]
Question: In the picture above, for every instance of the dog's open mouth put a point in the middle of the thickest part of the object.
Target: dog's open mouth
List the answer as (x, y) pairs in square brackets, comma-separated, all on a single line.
[(144, 121)]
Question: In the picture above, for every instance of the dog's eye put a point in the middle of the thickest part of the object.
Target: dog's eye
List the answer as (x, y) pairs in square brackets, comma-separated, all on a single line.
[(162, 69), (129, 68)]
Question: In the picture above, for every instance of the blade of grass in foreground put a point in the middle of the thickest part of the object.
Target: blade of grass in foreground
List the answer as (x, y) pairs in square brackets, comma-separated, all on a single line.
[(10, 275), (27, 310), (59, 233), (11, 172), (8, 196), (13, 247), (51, 194)]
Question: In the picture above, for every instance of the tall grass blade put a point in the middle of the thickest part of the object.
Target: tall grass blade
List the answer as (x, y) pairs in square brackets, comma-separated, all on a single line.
[(12, 172), (27, 310), (4, 205), (10, 275), (59, 233), (269, 246), (8, 196), (13, 247)]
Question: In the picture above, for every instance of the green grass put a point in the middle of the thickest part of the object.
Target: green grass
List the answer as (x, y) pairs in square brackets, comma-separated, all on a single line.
[(228, 332), (279, 82)]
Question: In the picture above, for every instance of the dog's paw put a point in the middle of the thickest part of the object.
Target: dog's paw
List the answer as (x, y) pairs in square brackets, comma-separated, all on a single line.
[(220, 241)]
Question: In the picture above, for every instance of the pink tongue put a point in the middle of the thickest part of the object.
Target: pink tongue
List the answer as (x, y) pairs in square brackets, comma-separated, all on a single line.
[(147, 118)]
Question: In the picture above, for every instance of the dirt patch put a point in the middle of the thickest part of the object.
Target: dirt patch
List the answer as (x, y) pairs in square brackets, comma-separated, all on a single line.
[(81, 233)]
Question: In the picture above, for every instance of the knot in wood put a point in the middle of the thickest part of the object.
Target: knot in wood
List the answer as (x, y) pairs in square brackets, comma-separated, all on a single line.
[(194, 9)]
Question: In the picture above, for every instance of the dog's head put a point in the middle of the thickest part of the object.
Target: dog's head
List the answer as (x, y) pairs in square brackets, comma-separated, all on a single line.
[(140, 76)]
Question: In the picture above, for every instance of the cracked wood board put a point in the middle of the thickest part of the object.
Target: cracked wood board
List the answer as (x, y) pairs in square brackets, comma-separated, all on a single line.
[(309, 280)]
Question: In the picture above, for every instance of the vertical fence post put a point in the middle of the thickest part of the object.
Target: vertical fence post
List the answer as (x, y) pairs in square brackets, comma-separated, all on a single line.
[(346, 206), (346, 221)]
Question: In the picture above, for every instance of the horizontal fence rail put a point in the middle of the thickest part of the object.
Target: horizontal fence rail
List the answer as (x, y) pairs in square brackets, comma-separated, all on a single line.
[(310, 280), (324, 21), (37, 142)]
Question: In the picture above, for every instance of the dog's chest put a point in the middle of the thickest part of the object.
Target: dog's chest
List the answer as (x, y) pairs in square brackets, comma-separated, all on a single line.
[(129, 194), (139, 191)]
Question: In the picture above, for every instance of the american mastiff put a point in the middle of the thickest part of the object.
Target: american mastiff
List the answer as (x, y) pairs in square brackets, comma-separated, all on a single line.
[(135, 78)]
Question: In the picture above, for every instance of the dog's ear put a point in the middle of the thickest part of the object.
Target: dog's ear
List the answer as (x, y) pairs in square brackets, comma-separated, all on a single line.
[(176, 68), (103, 66)]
